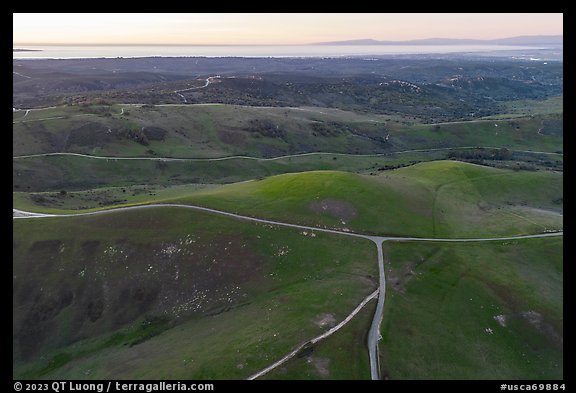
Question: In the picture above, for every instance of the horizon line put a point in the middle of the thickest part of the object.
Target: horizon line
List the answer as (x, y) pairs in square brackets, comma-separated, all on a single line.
[(17, 44)]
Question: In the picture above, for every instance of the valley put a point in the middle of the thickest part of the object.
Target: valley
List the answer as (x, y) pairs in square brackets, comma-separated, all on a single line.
[(268, 218)]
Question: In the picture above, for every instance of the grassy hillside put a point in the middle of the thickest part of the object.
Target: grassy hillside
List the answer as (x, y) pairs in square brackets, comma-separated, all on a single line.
[(435, 199), (474, 311), (432, 199), (440, 148), (532, 107), (330, 358), (195, 131), (324, 198), (198, 282), (162, 293), (81, 263), (536, 132), (470, 200), (73, 201), (56, 173)]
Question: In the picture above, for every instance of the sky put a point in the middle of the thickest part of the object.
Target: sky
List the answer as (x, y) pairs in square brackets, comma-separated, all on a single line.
[(272, 29)]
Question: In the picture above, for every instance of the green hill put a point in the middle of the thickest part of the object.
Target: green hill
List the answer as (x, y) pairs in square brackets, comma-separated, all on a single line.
[(474, 311), (217, 130), (74, 173), (118, 287), (434, 199), (173, 293), (433, 149)]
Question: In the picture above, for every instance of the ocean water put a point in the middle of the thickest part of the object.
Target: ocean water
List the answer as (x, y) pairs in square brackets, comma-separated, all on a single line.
[(70, 52)]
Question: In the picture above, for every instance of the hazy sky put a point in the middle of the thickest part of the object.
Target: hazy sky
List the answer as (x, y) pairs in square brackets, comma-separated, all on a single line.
[(272, 28)]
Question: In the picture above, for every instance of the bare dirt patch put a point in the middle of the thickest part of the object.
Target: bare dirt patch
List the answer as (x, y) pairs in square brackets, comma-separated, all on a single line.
[(321, 365), (324, 320), (335, 208), (534, 319), (398, 278), (537, 320), (501, 319)]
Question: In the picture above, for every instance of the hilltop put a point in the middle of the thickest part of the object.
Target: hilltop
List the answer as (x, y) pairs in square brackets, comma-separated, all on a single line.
[(520, 40)]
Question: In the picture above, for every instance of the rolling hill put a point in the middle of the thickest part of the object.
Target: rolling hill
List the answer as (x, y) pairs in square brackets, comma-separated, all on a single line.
[(209, 131), (225, 272), (435, 199), (432, 199), (117, 295), (445, 160), (474, 311)]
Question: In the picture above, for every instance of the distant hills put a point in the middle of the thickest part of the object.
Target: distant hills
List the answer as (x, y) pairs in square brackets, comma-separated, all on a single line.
[(521, 40)]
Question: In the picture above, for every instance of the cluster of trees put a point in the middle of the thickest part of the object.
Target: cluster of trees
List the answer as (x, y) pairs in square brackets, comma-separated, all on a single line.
[(482, 153), (155, 133), (388, 167), (142, 135), (137, 135), (266, 128), (328, 129)]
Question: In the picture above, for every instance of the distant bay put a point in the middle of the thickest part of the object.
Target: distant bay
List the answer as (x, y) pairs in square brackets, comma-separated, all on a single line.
[(280, 51)]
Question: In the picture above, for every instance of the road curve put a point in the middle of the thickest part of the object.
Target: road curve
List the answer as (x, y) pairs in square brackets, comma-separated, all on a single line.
[(208, 81), (374, 333), (267, 159), (25, 214), (21, 214), (316, 339)]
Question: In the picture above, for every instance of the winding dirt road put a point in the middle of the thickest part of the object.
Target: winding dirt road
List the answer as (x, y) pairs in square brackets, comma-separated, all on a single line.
[(265, 159), (374, 333), (208, 81), (316, 339)]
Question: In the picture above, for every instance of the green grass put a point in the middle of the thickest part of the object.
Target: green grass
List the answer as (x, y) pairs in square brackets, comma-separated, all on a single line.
[(470, 200), (437, 199), (343, 355), (433, 199), (323, 198), (428, 310), (191, 131), (197, 131), (238, 292), (519, 133), (552, 105), (176, 294), (54, 173), (70, 201), (134, 335), (76, 173), (442, 298)]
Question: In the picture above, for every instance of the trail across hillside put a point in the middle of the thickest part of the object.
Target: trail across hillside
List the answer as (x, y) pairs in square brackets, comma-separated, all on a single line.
[(374, 333), (208, 81), (272, 158), (316, 339)]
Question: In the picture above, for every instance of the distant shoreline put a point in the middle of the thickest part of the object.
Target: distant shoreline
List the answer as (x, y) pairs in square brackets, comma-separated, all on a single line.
[(298, 51), (26, 50)]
